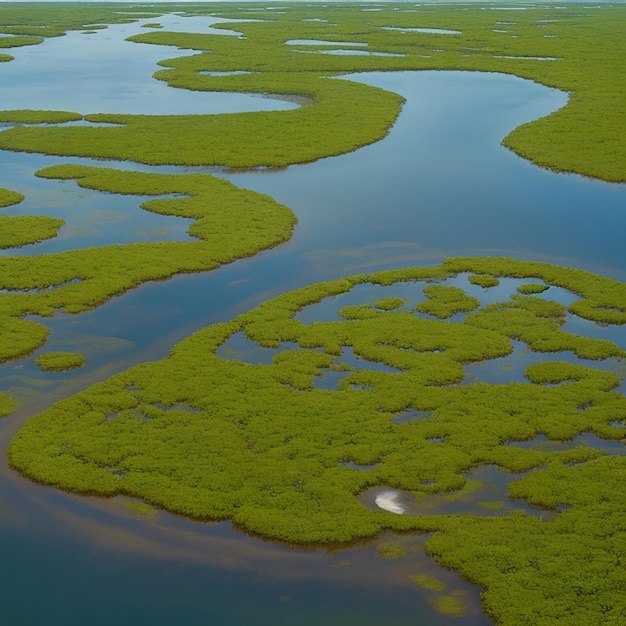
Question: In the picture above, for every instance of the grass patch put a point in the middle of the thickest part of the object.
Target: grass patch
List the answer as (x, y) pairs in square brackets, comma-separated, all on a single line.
[(532, 288), (445, 301), (484, 280), (23, 230), (491, 505), (389, 304), (8, 404), (449, 605), (9, 198), (60, 361), (231, 223)]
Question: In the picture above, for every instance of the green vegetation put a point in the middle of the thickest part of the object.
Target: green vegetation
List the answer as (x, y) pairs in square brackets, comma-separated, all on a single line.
[(389, 304), (26, 116), (578, 52), (432, 583), (231, 223), (391, 550), (7, 405), (491, 505), (47, 19), (17, 42), (213, 437), (60, 361), (449, 605), (484, 280), (532, 288), (8, 197), (444, 302), (23, 230), (141, 507)]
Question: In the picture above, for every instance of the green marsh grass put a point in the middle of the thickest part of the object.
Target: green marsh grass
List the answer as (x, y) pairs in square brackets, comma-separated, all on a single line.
[(583, 137), (216, 438), (23, 230), (230, 223), (532, 288), (9, 197), (484, 280), (59, 361), (262, 445)]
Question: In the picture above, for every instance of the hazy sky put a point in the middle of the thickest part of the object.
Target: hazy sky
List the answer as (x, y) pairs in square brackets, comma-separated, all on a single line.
[(147, 2)]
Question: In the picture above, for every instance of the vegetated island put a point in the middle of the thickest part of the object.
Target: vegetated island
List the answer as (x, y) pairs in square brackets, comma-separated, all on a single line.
[(16, 231), (60, 361), (210, 436)]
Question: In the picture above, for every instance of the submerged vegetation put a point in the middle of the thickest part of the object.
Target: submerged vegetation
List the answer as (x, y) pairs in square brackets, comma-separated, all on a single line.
[(215, 437), (391, 550)]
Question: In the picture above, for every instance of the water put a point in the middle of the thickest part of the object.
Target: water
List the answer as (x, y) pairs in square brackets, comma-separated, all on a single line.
[(321, 42), (450, 186), (434, 31), (440, 184), (90, 73)]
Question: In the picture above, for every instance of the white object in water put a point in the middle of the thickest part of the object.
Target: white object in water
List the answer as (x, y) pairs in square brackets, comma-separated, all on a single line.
[(389, 501)]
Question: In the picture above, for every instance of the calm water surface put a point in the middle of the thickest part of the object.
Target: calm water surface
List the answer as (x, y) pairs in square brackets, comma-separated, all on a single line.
[(440, 184), (91, 73)]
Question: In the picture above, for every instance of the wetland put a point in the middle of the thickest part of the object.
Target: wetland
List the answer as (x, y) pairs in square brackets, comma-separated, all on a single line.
[(353, 351)]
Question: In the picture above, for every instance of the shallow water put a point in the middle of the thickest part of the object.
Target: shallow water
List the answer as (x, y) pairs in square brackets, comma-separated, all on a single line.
[(440, 184), (320, 42), (351, 52), (434, 31), (90, 73)]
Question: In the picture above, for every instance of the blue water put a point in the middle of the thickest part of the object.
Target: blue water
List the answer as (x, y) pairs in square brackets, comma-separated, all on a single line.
[(440, 184), (90, 73)]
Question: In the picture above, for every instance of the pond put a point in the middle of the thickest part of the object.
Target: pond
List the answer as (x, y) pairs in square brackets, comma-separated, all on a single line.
[(439, 184)]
